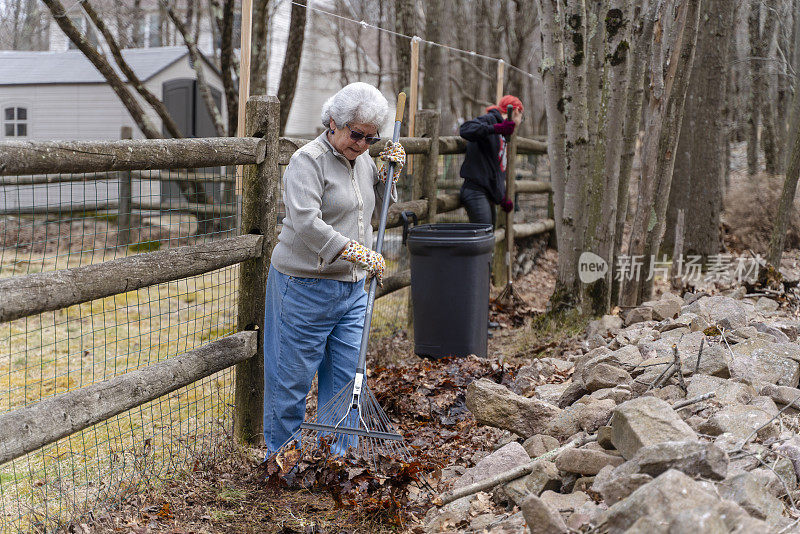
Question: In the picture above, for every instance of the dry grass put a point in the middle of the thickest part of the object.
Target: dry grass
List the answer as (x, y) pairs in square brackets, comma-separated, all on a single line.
[(55, 352), (749, 210)]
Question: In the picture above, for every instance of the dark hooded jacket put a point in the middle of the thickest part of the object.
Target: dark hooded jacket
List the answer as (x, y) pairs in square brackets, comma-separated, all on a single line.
[(482, 169)]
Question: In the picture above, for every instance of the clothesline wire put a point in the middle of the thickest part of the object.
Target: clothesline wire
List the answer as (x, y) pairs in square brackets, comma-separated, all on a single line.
[(365, 24)]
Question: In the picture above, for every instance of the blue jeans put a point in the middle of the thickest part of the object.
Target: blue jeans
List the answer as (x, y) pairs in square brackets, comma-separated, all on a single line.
[(312, 325)]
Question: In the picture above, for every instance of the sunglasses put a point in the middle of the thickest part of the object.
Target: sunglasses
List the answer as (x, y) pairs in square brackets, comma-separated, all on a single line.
[(355, 135)]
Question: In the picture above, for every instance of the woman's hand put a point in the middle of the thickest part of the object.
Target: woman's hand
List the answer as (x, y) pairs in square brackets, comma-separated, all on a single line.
[(368, 259), (392, 152), (504, 128), (506, 204)]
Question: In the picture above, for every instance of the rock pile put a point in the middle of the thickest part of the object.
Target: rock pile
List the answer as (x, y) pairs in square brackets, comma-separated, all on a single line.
[(679, 417)]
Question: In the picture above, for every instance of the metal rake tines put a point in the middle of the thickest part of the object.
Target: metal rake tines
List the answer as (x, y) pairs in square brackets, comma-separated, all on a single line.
[(363, 432)]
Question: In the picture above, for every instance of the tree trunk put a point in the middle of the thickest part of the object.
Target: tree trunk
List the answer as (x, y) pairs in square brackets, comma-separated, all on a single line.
[(577, 151), (117, 85), (669, 70), (643, 34), (259, 56), (778, 237), (754, 103), (291, 62), (432, 81), (133, 79), (700, 159), (197, 63), (770, 130), (224, 19), (603, 197)]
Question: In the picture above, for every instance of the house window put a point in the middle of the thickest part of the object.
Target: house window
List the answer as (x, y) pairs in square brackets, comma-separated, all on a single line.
[(15, 122), (154, 30), (82, 24)]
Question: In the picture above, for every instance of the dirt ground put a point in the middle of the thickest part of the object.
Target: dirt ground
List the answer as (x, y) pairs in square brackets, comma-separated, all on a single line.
[(228, 493)]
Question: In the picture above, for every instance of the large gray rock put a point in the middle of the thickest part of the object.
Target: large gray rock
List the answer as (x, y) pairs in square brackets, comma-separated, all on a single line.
[(646, 421), (694, 458), (542, 518), (615, 488), (778, 336), (757, 360), (593, 413), (782, 395), (496, 405), (586, 461), (565, 501), (550, 393), (697, 522), (628, 356), (604, 375), (638, 315), (539, 444), (723, 311), (740, 421), (604, 326), (664, 308), (543, 477), (791, 451), (766, 305), (727, 391), (501, 460), (745, 490), (660, 501)]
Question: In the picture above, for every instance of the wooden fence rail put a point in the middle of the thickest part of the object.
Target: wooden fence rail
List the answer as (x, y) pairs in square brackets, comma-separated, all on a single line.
[(29, 163), (56, 157), (26, 429), (30, 294)]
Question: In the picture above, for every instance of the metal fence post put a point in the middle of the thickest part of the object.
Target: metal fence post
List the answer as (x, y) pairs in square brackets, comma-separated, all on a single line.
[(259, 213), (125, 194)]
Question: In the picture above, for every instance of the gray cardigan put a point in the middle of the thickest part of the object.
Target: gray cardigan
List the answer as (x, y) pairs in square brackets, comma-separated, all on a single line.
[(328, 203)]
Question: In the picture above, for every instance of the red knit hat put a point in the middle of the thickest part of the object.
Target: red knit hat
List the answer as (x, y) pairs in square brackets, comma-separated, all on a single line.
[(508, 100)]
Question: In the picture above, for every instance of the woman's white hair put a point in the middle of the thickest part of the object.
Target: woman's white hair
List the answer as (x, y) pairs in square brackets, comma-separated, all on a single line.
[(358, 102)]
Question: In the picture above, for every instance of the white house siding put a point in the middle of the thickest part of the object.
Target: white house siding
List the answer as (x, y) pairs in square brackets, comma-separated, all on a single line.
[(88, 111), (319, 68)]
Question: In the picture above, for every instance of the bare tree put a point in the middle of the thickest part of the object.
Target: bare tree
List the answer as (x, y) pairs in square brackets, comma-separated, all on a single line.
[(197, 64), (670, 70), (133, 79), (699, 175), (117, 85), (291, 61)]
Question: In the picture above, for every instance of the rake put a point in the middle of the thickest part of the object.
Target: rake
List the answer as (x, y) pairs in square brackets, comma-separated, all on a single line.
[(353, 421), (509, 295)]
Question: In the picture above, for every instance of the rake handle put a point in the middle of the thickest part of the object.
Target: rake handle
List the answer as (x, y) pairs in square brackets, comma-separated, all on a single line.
[(361, 368)]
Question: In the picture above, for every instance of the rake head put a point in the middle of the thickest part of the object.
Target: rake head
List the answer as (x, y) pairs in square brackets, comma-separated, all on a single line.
[(351, 424), (509, 296)]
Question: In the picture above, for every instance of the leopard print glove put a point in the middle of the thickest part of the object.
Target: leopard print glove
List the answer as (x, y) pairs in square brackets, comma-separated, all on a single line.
[(392, 152), (370, 260)]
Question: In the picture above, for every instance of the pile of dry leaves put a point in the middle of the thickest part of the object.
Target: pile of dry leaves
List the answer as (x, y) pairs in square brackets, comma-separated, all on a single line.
[(427, 404)]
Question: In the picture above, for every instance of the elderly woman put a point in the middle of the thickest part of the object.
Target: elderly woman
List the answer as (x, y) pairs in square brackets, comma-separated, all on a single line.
[(316, 302)]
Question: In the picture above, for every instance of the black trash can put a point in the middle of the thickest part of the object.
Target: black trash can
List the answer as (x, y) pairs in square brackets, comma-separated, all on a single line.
[(450, 276)]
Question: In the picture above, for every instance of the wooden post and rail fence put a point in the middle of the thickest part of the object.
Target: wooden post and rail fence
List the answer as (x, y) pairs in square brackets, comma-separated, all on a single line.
[(261, 152)]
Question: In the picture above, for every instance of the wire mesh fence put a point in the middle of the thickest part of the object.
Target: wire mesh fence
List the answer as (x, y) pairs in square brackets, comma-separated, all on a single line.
[(53, 222)]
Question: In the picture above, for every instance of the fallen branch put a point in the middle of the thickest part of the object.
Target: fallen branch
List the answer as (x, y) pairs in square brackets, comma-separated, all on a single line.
[(694, 400), (511, 474), (678, 368), (699, 355)]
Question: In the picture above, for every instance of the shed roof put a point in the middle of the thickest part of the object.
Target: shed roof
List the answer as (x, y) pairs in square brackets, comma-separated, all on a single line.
[(71, 66)]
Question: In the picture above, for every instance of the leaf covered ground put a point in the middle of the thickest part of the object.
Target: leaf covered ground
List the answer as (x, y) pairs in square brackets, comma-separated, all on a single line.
[(234, 491)]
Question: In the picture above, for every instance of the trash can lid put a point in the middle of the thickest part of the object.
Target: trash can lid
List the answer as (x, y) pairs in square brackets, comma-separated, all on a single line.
[(450, 232)]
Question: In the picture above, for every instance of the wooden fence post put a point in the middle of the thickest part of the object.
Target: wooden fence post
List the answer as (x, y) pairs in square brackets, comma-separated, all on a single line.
[(427, 124), (504, 250), (125, 193), (430, 127), (260, 187)]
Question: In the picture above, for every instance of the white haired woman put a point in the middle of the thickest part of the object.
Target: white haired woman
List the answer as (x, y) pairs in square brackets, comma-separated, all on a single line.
[(315, 303)]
